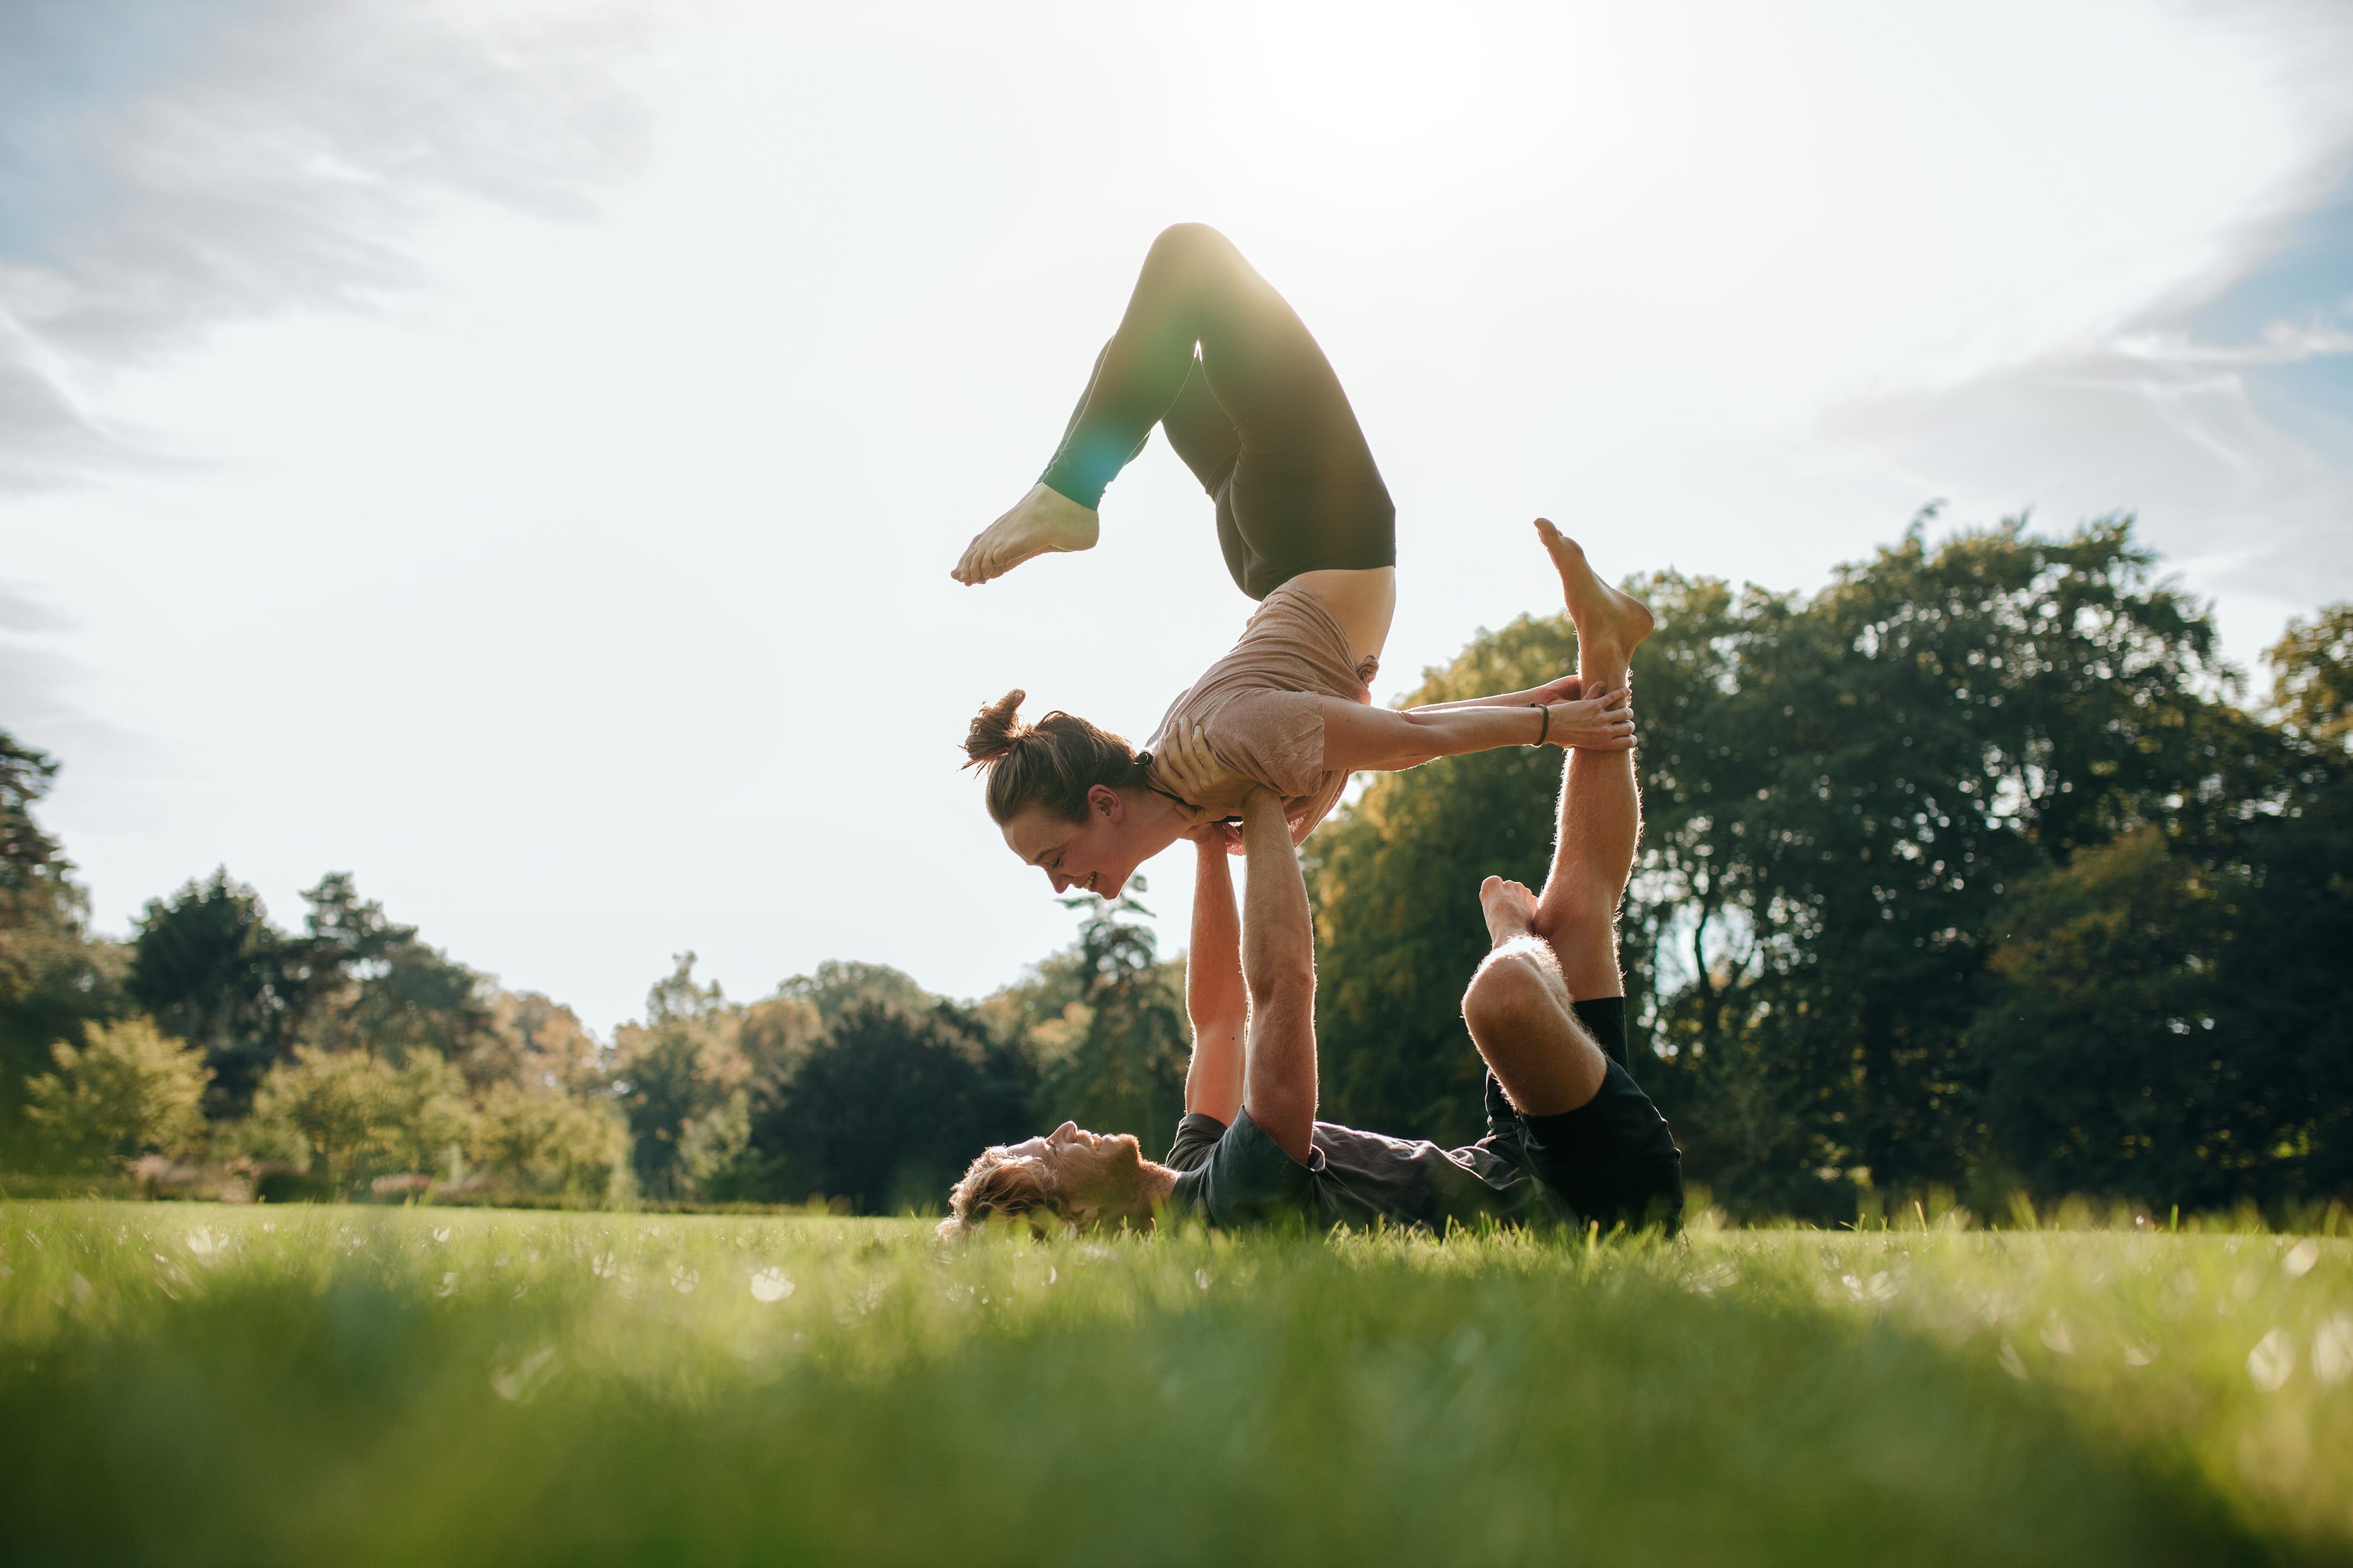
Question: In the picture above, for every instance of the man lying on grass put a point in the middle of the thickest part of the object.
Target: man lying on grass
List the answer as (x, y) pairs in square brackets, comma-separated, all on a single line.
[(1571, 1139)]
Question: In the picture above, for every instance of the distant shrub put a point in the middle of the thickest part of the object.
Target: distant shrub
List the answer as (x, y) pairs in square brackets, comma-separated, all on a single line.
[(545, 1141), (129, 1090)]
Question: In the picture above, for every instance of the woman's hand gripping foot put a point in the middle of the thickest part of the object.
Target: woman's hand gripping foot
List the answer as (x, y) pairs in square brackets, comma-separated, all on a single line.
[(1603, 723), (1042, 521)]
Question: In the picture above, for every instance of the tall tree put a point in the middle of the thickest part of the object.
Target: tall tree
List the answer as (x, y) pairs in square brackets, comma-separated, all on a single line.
[(207, 963), (1840, 790), (54, 977), (889, 1107), (681, 1077)]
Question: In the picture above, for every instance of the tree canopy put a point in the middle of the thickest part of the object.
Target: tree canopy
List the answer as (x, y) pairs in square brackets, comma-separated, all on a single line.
[(1855, 801)]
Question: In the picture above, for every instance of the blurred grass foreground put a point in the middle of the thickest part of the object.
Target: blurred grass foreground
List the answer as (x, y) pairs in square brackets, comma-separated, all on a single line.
[(192, 1385)]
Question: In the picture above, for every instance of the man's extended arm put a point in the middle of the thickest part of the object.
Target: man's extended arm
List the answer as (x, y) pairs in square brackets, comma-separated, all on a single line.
[(1279, 967), (1214, 996)]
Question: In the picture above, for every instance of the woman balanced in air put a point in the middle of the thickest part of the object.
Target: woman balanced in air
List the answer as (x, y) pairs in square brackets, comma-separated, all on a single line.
[(1213, 355)]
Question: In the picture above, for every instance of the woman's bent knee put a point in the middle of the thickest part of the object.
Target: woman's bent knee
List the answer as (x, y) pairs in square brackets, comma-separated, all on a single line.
[(1190, 247)]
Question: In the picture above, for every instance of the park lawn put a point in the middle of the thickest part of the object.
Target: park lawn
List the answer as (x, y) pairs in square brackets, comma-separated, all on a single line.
[(196, 1384)]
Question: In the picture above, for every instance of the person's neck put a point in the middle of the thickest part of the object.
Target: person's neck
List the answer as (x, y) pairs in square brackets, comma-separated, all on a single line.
[(1154, 1185), (1159, 821), (1157, 1186)]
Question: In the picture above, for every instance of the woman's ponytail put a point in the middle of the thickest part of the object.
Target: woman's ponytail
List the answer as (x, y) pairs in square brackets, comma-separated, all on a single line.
[(1054, 763), (995, 730)]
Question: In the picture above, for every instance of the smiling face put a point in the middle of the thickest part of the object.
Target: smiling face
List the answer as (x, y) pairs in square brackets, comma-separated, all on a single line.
[(1096, 854), (1096, 1175)]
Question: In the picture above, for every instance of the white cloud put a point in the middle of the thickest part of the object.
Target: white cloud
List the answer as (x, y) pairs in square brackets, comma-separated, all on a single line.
[(251, 158)]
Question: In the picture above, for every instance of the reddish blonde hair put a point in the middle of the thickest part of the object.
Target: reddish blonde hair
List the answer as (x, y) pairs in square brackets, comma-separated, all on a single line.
[(1053, 763), (1001, 1184)]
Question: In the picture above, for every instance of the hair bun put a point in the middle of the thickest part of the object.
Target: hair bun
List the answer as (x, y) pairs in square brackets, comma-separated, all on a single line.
[(995, 730)]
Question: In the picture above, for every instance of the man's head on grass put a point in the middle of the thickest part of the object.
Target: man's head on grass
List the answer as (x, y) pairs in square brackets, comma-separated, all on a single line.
[(1066, 1177)]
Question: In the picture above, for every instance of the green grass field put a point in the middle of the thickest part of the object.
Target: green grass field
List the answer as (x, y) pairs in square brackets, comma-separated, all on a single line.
[(194, 1384)]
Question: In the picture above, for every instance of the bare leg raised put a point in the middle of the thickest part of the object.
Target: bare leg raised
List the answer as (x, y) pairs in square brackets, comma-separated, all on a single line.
[(1562, 946), (1600, 806)]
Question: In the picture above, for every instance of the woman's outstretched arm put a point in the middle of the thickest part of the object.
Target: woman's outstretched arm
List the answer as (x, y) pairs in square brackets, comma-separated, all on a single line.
[(1213, 995), (1357, 737), (1562, 688)]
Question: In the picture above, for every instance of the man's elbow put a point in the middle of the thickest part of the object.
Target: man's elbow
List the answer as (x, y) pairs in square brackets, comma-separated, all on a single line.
[(1273, 980)]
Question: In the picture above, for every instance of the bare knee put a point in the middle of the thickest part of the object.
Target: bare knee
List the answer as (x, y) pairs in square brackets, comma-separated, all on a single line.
[(1517, 985)]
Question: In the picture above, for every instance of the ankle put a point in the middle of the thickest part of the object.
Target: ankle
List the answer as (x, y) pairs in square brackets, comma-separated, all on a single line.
[(1600, 669)]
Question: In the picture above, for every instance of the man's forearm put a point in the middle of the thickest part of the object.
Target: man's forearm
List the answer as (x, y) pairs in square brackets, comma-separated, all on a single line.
[(1279, 932), (1213, 997), (1278, 967)]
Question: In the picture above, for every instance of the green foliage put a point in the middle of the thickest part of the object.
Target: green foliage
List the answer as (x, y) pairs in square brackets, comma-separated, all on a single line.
[(2171, 1019), (544, 1141), (356, 1115), (53, 979), (836, 985), (129, 1090), (205, 962), (2312, 672), (2105, 1069), (1965, 871), (887, 1110), (1114, 1042), (538, 1043), (1841, 794), (270, 1385), (213, 967), (680, 1077)]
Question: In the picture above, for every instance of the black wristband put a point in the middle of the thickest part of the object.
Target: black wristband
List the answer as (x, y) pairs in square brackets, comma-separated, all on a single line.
[(1547, 724)]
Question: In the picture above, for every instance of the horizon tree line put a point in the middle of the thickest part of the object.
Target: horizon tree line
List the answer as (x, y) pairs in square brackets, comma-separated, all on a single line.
[(1975, 870)]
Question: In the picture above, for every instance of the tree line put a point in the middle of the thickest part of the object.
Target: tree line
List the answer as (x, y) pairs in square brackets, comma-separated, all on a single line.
[(216, 1052), (1976, 870)]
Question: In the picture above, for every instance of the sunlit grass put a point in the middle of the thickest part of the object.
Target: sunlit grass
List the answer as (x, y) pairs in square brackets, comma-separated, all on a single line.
[(194, 1384)]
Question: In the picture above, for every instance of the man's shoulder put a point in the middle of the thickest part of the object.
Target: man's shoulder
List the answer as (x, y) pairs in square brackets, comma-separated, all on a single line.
[(1197, 1134)]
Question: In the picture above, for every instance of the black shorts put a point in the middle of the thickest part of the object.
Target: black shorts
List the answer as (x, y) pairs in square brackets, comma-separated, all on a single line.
[(1612, 1160)]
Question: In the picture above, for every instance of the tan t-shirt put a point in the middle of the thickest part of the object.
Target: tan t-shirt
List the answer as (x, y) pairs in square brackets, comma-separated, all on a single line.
[(1259, 709)]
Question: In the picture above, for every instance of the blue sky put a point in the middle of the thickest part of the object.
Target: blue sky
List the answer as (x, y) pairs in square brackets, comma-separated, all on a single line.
[(513, 451), (2305, 286)]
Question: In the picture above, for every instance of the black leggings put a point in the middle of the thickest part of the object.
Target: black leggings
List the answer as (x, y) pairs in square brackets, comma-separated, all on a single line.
[(1220, 361)]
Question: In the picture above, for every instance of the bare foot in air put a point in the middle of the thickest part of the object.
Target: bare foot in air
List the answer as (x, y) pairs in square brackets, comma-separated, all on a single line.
[(1510, 908), (1045, 520), (1609, 625)]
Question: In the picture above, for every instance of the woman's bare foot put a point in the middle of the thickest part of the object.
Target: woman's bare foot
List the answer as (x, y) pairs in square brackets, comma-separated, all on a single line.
[(1510, 908), (1609, 625), (1043, 521)]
